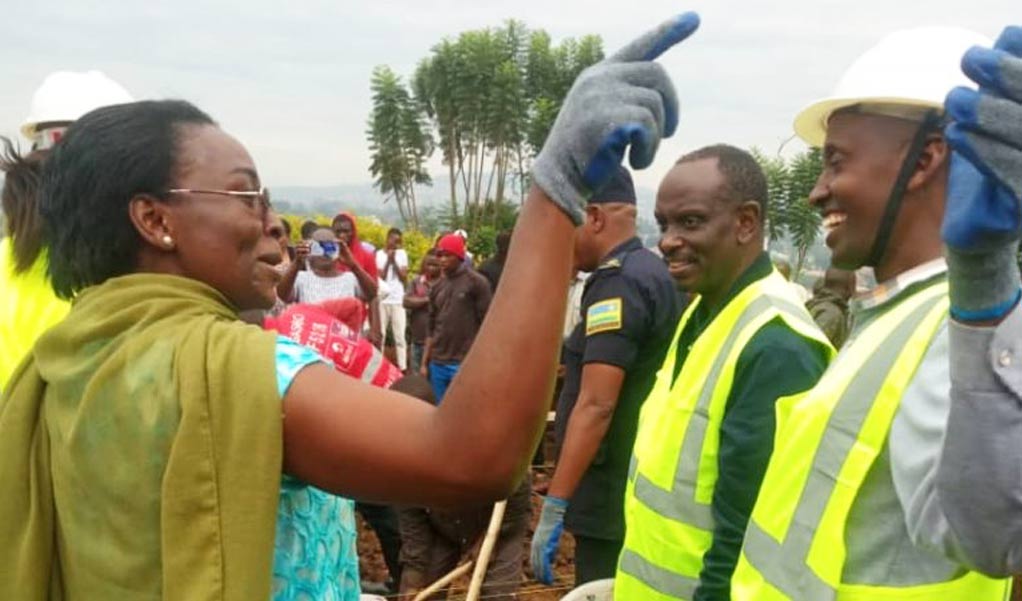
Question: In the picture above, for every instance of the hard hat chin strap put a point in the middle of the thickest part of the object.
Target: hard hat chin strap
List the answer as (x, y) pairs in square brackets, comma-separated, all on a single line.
[(930, 124)]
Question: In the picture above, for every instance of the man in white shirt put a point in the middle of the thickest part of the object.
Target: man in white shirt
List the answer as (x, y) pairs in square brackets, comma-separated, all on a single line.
[(573, 314), (392, 264)]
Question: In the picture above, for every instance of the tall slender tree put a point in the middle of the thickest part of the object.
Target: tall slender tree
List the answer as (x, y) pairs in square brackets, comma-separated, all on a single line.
[(802, 220), (492, 95), (399, 143), (789, 183), (434, 87)]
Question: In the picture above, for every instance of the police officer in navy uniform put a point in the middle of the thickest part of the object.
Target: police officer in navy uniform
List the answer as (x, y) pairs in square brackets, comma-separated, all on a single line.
[(630, 307)]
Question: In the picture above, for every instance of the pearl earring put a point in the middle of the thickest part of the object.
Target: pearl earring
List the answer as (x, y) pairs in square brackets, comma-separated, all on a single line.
[(167, 241)]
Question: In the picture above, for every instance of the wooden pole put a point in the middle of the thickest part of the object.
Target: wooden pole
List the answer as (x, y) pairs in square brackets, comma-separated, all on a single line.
[(451, 576), (487, 549)]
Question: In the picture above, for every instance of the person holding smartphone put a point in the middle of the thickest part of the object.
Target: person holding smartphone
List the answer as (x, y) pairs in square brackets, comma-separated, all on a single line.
[(323, 281)]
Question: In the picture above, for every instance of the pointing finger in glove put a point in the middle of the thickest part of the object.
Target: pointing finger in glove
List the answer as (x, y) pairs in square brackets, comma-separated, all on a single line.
[(622, 101)]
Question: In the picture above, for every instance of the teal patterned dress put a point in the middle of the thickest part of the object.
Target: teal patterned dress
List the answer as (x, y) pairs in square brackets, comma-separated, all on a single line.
[(314, 555)]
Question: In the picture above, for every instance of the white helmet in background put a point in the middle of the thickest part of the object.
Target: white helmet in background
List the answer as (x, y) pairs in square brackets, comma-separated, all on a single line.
[(904, 75), (63, 97)]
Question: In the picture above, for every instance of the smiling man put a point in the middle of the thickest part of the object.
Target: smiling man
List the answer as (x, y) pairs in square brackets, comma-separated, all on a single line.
[(706, 430), (848, 507)]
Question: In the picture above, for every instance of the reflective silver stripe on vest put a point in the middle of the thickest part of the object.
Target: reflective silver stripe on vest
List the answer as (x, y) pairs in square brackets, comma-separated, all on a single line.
[(783, 565), (375, 362), (679, 503), (655, 577)]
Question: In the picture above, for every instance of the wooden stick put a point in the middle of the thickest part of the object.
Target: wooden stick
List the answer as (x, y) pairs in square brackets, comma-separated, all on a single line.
[(451, 576), (484, 553)]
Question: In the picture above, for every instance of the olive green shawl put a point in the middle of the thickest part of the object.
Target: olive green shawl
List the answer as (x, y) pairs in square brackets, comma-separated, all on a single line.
[(140, 451)]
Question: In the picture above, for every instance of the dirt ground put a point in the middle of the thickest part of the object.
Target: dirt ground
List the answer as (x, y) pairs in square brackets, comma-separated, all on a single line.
[(373, 568)]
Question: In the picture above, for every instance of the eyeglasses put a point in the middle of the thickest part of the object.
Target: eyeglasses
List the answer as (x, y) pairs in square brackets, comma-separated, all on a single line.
[(253, 198)]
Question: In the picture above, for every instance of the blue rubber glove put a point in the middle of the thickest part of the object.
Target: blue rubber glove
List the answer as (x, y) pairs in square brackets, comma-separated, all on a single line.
[(547, 538), (983, 220), (624, 100)]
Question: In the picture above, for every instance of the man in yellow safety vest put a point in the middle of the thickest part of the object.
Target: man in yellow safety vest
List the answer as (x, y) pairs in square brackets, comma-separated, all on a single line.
[(706, 429), (846, 510), (29, 306)]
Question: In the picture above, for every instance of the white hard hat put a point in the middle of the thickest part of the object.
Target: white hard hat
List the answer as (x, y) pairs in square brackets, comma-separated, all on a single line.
[(907, 73), (596, 590), (64, 96)]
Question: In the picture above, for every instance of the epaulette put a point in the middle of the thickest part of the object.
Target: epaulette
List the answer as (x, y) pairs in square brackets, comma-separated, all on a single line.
[(611, 263)]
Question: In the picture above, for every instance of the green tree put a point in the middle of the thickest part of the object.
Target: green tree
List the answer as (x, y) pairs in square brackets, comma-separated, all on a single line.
[(434, 87), (789, 183), (492, 95), (803, 220), (550, 71), (776, 172), (399, 143)]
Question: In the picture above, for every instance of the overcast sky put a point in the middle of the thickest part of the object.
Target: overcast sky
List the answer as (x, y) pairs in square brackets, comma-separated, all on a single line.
[(291, 79)]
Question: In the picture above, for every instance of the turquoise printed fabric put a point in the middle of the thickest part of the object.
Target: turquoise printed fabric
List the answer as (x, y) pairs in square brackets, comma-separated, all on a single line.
[(291, 357), (314, 556)]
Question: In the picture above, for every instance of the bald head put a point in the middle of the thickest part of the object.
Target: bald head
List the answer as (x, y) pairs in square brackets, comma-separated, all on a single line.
[(741, 177), (622, 212)]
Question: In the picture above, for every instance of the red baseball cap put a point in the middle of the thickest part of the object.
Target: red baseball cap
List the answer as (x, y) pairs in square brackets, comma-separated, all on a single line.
[(454, 244)]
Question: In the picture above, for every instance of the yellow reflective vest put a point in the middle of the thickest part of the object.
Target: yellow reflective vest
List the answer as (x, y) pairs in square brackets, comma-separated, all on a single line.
[(827, 440), (669, 525), (28, 307)]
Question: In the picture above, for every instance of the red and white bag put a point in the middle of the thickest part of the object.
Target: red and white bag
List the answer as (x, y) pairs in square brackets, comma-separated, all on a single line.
[(324, 328)]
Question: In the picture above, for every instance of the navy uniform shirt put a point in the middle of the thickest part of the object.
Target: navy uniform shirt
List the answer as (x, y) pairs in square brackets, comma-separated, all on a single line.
[(630, 307)]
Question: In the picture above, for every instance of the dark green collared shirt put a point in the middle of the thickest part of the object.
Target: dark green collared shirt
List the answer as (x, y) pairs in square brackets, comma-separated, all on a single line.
[(775, 363)]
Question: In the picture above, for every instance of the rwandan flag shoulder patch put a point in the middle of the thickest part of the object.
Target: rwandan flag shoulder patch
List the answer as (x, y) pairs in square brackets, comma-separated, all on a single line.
[(604, 316)]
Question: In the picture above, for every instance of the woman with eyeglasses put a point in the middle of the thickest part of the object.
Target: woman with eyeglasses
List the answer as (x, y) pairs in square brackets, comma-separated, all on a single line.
[(143, 447)]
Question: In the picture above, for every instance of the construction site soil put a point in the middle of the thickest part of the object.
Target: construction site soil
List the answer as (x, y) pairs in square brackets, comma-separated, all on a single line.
[(373, 568)]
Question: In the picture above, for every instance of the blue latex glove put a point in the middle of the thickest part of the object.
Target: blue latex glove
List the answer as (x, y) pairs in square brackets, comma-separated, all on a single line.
[(983, 220), (624, 100), (547, 538)]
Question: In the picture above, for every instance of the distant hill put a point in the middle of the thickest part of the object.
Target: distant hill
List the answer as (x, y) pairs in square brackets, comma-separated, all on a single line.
[(363, 198)]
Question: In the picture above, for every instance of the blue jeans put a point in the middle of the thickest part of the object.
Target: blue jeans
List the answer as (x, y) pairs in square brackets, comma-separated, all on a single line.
[(440, 376)]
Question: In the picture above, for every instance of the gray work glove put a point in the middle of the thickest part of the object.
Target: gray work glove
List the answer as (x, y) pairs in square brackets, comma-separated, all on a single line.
[(624, 100), (983, 222)]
